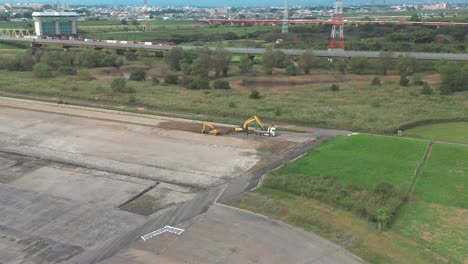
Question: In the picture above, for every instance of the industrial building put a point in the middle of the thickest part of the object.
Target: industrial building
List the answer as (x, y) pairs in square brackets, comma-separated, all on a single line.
[(55, 23)]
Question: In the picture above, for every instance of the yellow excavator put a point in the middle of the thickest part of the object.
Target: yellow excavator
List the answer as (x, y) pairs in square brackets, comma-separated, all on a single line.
[(209, 128), (271, 131)]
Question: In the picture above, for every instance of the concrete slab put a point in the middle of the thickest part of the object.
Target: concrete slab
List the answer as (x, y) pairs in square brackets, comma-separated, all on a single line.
[(6, 163), (228, 235), (161, 196), (176, 157), (98, 188), (58, 224)]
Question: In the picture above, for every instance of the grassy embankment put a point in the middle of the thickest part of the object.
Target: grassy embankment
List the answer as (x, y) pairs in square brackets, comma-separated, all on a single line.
[(450, 132), (430, 228), (357, 106)]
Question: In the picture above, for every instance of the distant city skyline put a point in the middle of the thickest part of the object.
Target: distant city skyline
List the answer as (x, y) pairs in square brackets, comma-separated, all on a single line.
[(220, 3)]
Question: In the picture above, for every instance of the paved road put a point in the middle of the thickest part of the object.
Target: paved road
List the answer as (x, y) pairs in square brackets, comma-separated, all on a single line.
[(252, 51), (227, 235)]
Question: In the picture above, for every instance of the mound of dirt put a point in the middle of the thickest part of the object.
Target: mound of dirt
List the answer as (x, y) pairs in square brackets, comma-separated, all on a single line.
[(191, 127)]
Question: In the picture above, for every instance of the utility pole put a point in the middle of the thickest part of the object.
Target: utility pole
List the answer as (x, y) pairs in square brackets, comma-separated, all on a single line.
[(285, 27)]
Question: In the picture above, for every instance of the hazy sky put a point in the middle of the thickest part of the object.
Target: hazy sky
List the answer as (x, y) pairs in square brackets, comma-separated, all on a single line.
[(229, 2)]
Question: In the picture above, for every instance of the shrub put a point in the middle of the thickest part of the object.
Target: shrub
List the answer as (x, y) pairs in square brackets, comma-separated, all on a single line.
[(155, 80), (375, 81), (42, 70), (254, 94), (119, 85), (132, 99), (427, 89), (171, 78), (277, 111), (84, 75), (350, 196), (67, 70), (245, 64), (417, 80), (292, 70), (138, 75), (186, 81), (221, 85), (334, 87), (358, 64), (199, 83), (404, 81), (232, 105)]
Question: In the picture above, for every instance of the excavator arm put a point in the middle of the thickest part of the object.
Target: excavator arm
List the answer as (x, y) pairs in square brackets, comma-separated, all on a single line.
[(210, 129), (247, 122)]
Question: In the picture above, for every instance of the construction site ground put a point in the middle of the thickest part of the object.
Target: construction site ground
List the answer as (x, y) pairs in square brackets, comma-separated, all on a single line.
[(229, 235), (74, 178)]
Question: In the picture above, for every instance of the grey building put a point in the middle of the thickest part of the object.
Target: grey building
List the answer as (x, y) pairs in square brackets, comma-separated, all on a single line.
[(55, 23)]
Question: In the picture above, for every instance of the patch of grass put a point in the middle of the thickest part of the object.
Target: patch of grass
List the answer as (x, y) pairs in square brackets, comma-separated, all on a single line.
[(339, 226), (437, 227), (363, 160), (444, 178), (437, 212), (450, 132)]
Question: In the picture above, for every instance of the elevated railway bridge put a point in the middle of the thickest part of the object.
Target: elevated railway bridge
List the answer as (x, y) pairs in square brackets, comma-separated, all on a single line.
[(160, 46)]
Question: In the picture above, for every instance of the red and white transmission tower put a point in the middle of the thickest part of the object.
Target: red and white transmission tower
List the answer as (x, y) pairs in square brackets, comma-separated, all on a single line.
[(337, 27)]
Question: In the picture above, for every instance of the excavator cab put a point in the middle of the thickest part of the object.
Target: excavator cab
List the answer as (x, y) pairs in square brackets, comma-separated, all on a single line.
[(209, 128)]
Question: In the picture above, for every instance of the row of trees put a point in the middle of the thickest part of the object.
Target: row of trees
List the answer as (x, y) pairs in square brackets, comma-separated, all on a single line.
[(62, 62), (199, 62)]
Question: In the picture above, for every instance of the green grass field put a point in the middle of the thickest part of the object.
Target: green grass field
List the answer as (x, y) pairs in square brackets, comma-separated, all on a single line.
[(430, 228), (450, 132), (361, 159), (438, 212)]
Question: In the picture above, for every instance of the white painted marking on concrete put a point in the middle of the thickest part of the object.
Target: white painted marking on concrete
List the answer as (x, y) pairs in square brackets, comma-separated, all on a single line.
[(170, 229)]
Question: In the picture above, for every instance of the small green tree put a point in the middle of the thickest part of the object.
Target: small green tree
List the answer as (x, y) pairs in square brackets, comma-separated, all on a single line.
[(375, 81), (171, 78), (138, 75), (245, 64), (42, 70), (341, 66), (221, 85), (306, 61), (119, 85), (427, 89), (383, 217), (292, 70), (406, 65), (221, 60), (202, 65), (384, 63), (199, 83), (155, 80), (417, 79), (454, 78), (174, 58), (404, 81), (67, 70), (358, 64), (334, 87), (254, 94)]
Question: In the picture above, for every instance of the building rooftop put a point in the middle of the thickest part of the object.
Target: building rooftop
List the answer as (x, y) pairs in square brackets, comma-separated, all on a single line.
[(54, 14)]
